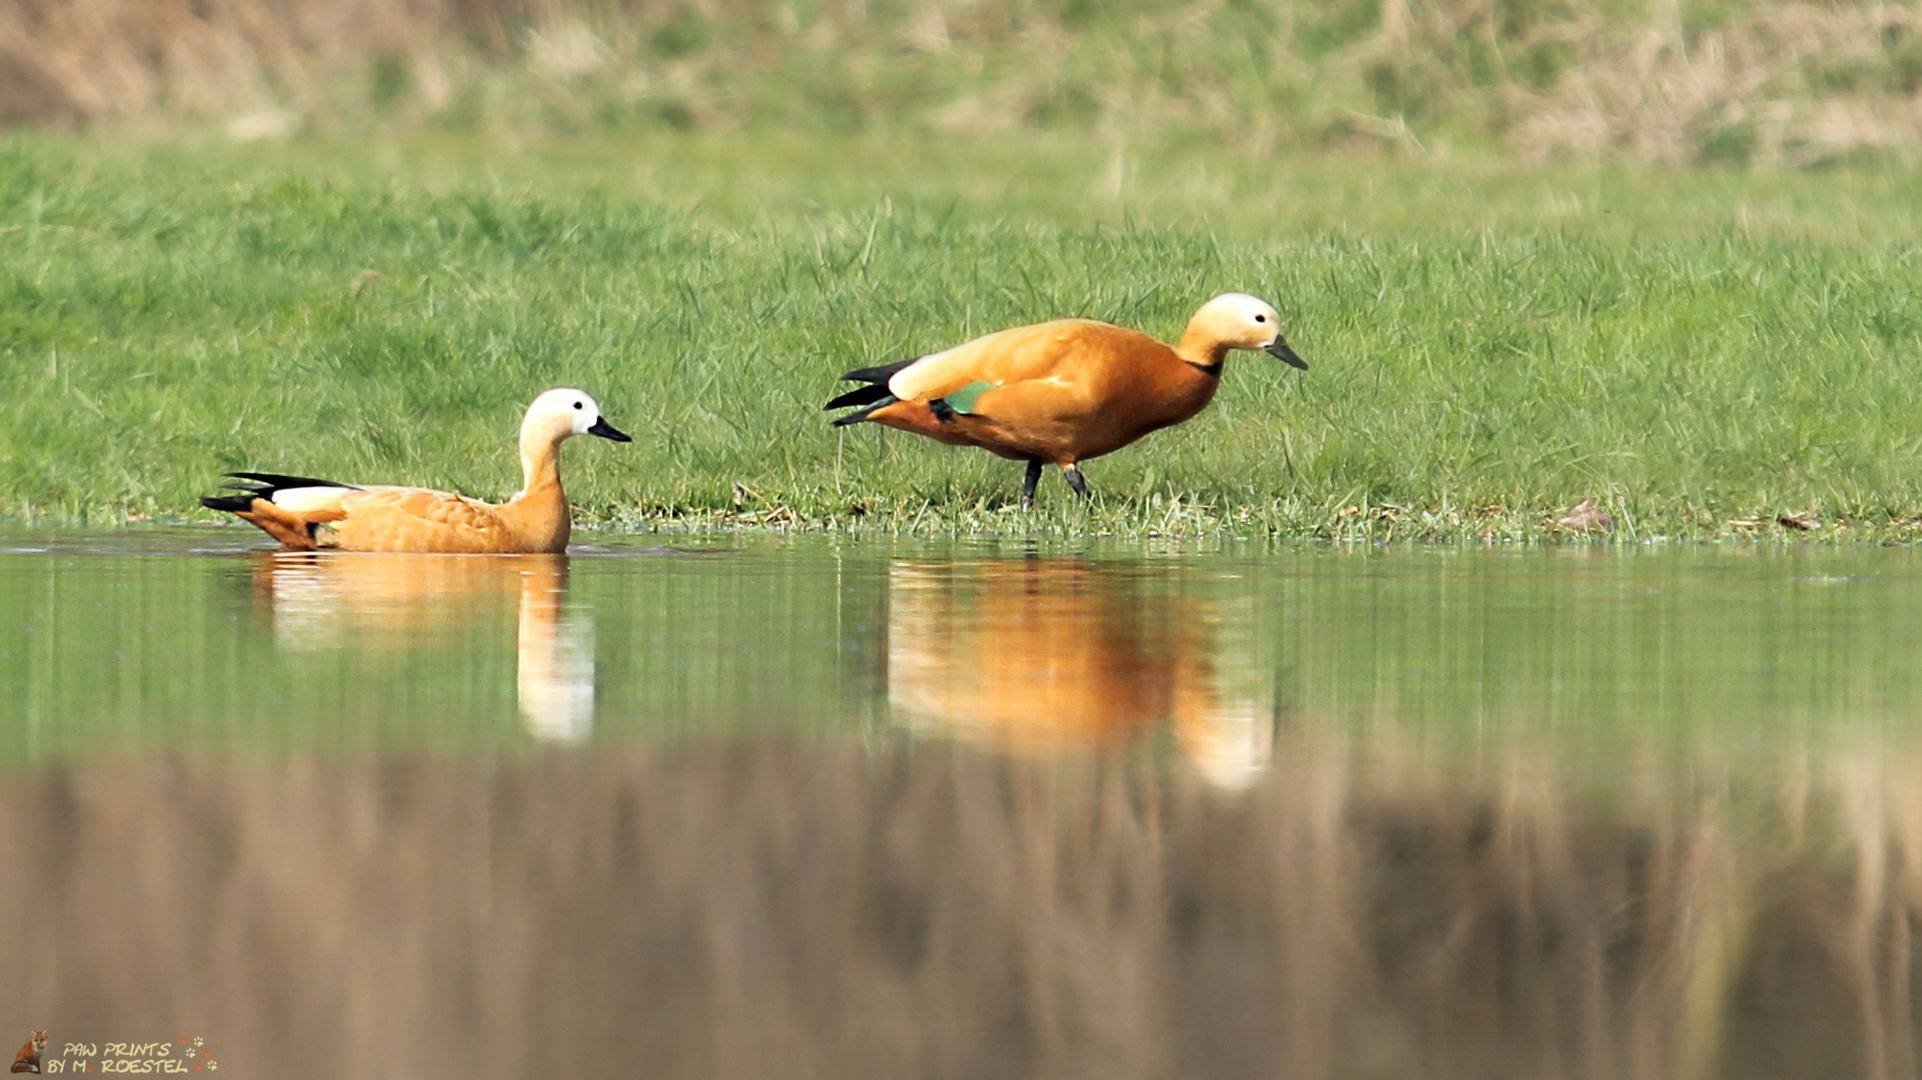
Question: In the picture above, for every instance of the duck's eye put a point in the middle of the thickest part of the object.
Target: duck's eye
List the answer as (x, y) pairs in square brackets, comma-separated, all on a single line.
[(1261, 318), (577, 405)]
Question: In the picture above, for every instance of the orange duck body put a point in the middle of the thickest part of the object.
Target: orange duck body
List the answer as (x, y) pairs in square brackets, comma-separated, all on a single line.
[(1062, 392), (1065, 391), (318, 516), (305, 514)]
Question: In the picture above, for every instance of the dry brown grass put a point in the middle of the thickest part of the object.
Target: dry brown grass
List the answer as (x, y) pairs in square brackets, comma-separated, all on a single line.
[(1367, 910), (1787, 83), (1752, 90)]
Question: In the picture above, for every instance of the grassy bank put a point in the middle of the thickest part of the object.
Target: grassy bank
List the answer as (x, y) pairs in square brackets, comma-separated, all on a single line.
[(1488, 345)]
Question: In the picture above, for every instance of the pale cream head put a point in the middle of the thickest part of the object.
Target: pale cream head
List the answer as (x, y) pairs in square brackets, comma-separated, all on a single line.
[(1240, 321), (562, 414)]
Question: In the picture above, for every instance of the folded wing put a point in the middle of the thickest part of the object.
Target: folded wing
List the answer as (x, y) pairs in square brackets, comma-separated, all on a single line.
[(1022, 354), (417, 519)]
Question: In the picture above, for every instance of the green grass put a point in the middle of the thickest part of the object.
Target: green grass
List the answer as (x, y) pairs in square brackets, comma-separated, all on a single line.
[(1488, 343)]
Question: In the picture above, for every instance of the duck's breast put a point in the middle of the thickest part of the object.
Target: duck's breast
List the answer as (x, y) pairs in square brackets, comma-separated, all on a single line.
[(1137, 385)]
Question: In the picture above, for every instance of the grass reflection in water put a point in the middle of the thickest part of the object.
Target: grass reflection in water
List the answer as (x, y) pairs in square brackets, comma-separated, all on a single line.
[(769, 909)]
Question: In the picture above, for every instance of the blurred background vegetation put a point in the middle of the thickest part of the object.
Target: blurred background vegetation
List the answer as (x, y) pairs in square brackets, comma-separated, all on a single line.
[(1679, 81)]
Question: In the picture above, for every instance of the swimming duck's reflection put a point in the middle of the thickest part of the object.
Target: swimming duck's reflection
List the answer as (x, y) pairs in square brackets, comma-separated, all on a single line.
[(329, 601), (1045, 654)]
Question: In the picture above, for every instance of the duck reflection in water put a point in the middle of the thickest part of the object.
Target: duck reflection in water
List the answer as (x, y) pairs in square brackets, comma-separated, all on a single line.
[(1044, 655), (330, 601)]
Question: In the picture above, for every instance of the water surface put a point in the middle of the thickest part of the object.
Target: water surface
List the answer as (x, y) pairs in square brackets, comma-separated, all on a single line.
[(771, 807)]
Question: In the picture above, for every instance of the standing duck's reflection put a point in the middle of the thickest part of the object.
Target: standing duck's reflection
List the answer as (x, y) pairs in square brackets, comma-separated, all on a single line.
[(324, 601), (1045, 654)]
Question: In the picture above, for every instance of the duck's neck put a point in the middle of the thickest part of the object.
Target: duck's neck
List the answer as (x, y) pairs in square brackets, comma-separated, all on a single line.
[(1202, 349), (541, 506), (540, 466)]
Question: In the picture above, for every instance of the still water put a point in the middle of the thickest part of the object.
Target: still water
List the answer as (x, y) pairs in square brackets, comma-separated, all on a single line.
[(750, 807)]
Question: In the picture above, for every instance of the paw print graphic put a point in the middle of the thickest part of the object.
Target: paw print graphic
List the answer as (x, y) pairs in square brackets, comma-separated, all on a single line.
[(200, 1054)]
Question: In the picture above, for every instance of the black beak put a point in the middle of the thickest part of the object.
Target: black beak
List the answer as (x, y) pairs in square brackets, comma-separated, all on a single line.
[(606, 431), (1280, 351)]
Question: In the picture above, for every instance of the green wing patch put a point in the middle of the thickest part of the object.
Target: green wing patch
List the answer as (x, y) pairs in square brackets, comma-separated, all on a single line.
[(963, 399)]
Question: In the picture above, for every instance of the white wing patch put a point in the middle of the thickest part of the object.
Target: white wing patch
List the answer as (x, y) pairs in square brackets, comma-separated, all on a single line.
[(305, 499), (902, 382)]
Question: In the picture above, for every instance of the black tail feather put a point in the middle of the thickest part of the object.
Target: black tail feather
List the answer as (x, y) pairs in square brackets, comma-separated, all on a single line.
[(870, 397), (276, 481), (863, 414), (879, 374), (861, 395), (261, 485)]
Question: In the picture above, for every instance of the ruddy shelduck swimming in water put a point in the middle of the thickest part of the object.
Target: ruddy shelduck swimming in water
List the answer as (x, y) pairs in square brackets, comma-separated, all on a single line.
[(1065, 391), (308, 515)]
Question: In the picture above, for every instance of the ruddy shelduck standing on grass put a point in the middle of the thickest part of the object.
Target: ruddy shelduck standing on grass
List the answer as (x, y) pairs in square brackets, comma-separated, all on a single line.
[(1065, 391), (308, 515)]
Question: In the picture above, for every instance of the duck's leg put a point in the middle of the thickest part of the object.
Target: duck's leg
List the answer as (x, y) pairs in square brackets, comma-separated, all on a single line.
[(1027, 485), (1075, 480)]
